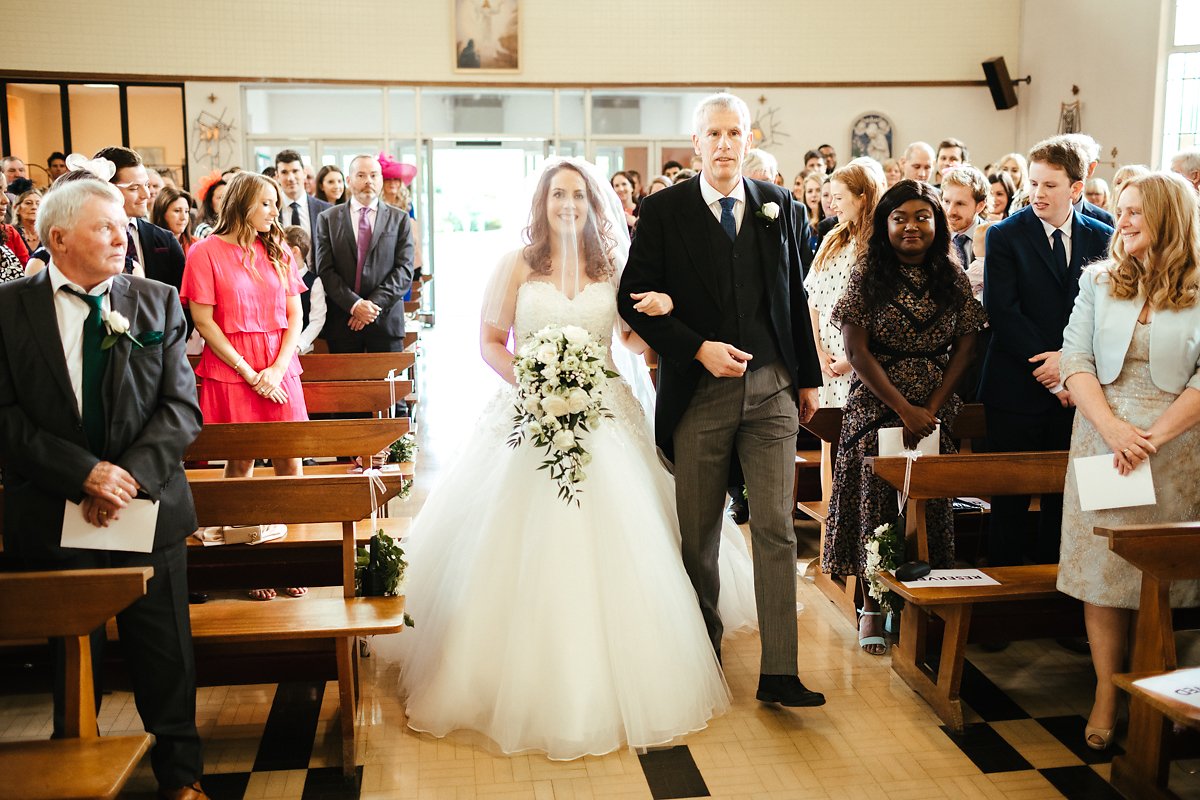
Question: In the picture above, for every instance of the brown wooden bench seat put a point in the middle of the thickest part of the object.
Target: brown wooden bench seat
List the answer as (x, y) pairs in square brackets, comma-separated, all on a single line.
[(70, 604), (295, 500), (981, 475), (1164, 554)]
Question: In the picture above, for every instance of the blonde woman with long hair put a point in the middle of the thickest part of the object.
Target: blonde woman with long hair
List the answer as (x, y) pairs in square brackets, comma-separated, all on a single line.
[(1131, 361), (855, 189), (243, 289)]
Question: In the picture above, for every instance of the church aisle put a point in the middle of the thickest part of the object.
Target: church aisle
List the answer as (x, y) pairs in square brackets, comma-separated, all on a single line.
[(875, 738)]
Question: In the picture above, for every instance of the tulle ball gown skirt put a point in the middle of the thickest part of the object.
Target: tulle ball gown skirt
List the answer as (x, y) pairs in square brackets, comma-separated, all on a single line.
[(550, 627)]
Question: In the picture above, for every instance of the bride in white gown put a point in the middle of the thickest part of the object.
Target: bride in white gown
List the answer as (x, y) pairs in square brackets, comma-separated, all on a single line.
[(545, 625)]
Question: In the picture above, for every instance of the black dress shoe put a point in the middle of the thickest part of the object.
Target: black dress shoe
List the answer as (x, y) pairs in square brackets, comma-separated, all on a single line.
[(787, 690), (739, 508)]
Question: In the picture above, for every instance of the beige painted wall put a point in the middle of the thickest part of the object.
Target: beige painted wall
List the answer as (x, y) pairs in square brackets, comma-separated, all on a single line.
[(612, 41)]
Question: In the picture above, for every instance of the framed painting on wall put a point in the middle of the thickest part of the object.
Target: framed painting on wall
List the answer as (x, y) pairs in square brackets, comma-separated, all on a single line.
[(487, 35), (871, 134)]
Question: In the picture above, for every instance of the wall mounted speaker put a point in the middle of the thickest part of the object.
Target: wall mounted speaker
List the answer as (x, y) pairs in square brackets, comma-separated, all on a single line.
[(1001, 85)]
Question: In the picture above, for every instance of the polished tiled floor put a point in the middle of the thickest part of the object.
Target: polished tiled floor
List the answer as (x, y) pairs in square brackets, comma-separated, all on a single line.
[(873, 739)]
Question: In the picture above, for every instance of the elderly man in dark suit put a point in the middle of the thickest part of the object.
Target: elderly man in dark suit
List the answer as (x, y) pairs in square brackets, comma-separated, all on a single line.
[(737, 367), (365, 261), (151, 252), (97, 405), (1030, 280)]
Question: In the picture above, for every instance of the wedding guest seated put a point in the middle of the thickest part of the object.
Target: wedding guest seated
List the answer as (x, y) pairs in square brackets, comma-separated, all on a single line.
[(811, 186), (893, 173), (26, 218), (951, 153), (10, 237), (909, 323), (670, 168), (172, 211), (56, 165), (1017, 167), (331, 185), (154, 180), (1131, 361), (622, 184), (917, 162), (211, 198), (814, 162), (1122, 176), (685, 175), (1096, 191), (658, 183), (1187, 164), (1001, 192)]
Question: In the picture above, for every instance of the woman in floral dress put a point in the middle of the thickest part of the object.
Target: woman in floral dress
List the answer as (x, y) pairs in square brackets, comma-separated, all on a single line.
[(909, 322)]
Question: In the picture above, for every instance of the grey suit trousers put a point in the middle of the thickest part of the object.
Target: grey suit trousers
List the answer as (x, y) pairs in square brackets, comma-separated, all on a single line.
[(756, 415)]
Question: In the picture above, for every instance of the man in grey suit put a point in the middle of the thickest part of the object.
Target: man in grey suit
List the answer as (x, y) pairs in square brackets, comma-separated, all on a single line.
[(100, 426), (737, 366), (365, 261)]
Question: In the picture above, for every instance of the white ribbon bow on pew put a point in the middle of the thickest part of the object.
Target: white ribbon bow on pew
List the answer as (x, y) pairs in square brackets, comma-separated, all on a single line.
[(375, 482), (902, 495)]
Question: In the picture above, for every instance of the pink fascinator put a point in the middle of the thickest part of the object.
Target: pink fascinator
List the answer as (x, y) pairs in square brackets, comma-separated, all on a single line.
[(396, 170)]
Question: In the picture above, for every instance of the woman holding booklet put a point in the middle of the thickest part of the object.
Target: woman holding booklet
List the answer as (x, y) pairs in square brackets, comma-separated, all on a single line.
[(909, 322), (1130, 359)]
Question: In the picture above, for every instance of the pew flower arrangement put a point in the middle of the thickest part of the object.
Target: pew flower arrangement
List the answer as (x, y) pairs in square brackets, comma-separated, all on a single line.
[(379, 570), (403, 450), (560, 376), (885, 549)]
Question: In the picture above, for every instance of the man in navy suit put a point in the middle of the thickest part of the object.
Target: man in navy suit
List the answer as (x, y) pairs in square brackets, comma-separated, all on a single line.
[(151, 252), (297, 207), (1031, 277), (1090, 149)]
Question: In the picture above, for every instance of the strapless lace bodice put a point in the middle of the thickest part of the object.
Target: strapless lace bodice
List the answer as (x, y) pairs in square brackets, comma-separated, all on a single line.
[(540, 303)]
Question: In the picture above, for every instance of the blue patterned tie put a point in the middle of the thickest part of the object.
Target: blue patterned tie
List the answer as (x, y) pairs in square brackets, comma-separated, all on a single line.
[(95, 360), (1060, 252), (727, 220)]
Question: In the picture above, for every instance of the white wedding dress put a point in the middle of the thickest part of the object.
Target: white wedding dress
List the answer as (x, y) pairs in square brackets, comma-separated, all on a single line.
[(551, 627)]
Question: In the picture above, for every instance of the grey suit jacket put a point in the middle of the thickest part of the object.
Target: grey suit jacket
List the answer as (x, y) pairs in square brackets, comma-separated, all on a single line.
[(150, 400), (387, 272)]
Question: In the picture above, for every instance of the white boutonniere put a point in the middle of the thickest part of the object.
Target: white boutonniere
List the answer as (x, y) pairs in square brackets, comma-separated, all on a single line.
[(118, 326), (769, 212)]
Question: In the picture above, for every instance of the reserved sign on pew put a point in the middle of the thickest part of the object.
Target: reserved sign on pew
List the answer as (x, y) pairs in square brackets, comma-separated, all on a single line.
[(952, 577), (1182, 686)]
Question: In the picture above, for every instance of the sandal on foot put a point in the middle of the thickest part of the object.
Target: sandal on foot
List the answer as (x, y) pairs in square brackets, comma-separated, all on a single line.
[(262, 594), (1098, 738), (296, 591), (871, 642)]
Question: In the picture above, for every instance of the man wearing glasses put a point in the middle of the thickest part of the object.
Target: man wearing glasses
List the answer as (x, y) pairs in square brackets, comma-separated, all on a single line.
[(153, 252)]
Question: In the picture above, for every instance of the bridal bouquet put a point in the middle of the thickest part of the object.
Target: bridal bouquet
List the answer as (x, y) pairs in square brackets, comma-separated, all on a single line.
[(885, 549), (560, 377)]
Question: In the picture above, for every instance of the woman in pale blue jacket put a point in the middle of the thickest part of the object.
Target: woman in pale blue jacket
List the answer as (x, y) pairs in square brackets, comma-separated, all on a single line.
[(1131, 362)]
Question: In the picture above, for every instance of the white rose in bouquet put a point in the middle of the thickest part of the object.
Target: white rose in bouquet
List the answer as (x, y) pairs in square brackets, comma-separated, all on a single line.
[(547, 353), (550, 423), (555, 406), (571, 362), (576, 334), (532, 404), (564, 440), (533, 428), (577, 400)]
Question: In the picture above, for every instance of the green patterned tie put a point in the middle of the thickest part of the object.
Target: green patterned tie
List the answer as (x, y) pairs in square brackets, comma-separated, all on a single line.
[(95, 359)]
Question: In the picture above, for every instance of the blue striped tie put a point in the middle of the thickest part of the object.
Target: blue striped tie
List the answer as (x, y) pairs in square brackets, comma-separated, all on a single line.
[(727, 220)]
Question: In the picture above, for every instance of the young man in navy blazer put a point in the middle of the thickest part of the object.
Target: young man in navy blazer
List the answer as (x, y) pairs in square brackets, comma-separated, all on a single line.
[(1031, 277), (151, 252)]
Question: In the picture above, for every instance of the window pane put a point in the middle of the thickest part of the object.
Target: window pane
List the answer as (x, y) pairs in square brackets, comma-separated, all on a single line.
[(35, 126), (156, 129), (402, 108), (570, 113), (324, 111), (1187, 22), (646, 113), (1181, 117), (526, 113), (95, 117)]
